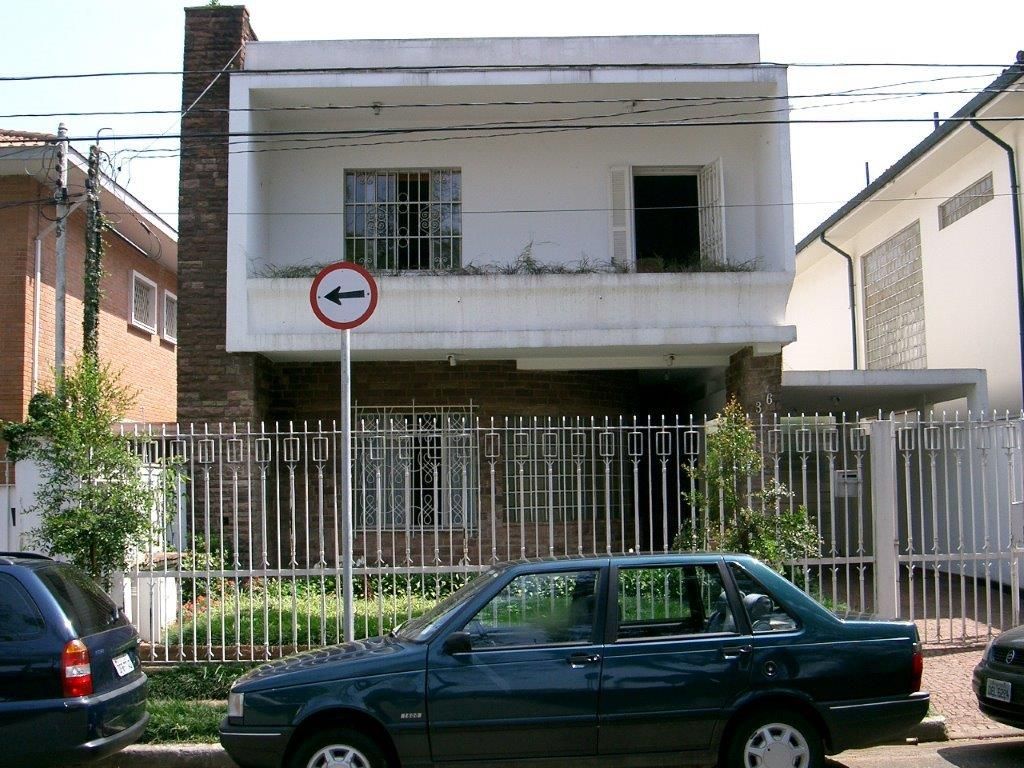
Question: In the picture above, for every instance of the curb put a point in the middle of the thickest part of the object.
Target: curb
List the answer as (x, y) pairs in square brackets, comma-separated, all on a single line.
[(930, 729), (169, 756)]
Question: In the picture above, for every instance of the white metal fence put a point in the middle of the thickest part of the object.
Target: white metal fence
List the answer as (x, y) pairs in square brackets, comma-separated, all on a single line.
[(919, 517)]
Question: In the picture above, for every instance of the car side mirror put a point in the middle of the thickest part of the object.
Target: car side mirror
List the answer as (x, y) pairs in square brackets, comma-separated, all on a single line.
[(458, 642)]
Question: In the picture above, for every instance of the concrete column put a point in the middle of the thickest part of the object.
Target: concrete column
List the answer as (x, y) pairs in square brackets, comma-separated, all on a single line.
[(883, 519)]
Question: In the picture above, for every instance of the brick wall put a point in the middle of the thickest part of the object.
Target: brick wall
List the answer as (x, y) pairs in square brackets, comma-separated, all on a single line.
[(312, 390), (145, 361), (755, 381), (212, 385)]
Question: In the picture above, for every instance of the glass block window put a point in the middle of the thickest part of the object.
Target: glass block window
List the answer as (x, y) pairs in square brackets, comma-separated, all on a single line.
[(965, 201), (144, 303), (894, 302), (404, 220), (170, 317)]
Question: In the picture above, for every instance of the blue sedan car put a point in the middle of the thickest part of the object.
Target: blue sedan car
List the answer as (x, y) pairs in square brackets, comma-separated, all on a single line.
[(620, 660)]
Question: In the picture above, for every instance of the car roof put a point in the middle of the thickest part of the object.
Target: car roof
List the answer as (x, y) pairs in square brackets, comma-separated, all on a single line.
[(628, 558), (24, 558)]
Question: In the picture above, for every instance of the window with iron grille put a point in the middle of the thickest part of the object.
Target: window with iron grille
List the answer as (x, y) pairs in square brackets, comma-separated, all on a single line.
[(415, 469), (404, 219), (894, 302), (170, 317), (144, 303), (965, 201)]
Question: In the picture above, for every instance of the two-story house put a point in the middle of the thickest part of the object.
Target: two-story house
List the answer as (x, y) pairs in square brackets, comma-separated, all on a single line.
[(911, 295), (557, 225)]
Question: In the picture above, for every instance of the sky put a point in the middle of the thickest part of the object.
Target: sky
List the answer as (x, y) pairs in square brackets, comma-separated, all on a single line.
[(47, 37)]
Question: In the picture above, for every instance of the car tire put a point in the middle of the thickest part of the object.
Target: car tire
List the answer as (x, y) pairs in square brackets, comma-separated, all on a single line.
[(789, 738), (327, 747)]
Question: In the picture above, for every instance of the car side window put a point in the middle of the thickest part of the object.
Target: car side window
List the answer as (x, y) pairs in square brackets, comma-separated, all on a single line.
[(673, 600), (19, 617), (538, 609), (764, 612)]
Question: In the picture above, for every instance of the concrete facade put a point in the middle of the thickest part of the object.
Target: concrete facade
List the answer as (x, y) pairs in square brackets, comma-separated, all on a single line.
[(545, 283)]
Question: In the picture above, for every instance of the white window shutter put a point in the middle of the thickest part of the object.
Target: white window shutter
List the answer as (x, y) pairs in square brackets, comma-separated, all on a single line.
[(622, 216), (711, 207)]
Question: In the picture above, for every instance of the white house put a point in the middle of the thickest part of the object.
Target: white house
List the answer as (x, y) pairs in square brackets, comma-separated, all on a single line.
[(574, 224), (917, 280)]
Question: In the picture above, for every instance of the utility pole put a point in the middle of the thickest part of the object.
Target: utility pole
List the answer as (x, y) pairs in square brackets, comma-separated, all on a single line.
[(93, 258), (61, 197)]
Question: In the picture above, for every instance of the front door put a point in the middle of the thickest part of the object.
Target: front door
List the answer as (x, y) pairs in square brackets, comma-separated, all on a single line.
[(528, 687)]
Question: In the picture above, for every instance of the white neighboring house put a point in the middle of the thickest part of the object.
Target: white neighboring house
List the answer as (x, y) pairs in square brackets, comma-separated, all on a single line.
[(440, 164), (930, 254)]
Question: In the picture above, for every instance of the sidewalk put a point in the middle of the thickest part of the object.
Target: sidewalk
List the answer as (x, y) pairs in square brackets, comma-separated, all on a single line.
[(947, 675)]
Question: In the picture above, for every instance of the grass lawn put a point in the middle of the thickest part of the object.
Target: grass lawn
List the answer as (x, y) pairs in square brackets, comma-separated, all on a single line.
[(186, 702)]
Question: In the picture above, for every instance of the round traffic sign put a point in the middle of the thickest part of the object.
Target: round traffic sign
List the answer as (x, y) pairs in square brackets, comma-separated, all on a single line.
[(343, 295)]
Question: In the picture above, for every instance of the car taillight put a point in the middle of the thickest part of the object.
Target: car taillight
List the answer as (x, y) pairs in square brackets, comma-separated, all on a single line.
[(76, 670), (917, 668)]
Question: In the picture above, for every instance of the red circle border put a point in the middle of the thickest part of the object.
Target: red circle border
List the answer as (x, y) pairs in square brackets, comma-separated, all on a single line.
[(336, 266)]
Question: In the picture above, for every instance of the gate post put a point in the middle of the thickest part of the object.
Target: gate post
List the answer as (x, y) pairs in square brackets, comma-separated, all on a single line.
[(883, 516)]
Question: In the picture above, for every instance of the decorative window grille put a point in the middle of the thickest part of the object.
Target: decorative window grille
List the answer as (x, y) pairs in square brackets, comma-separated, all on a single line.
[(965, 201), (416, 469), (894, 302), (170, 317), (404, 220), (144, 303)]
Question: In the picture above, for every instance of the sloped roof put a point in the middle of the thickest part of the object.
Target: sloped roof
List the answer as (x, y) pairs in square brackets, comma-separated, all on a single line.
[(12, 138), (991, 92)]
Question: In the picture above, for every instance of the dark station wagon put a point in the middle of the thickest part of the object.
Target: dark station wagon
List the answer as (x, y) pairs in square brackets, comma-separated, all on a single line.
[(71, 686), (621, 660)]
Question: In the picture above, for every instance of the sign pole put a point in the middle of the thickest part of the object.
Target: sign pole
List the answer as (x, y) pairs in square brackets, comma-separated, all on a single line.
[(343, 295), (346, 484)]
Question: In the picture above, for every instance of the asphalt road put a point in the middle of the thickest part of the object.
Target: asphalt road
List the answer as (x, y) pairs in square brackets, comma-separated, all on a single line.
[(981, 753)]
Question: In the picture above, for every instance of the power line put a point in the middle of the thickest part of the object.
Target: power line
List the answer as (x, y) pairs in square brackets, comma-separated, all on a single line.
[(508, 68)]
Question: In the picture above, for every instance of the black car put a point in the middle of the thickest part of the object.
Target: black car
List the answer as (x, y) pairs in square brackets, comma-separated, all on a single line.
[(999, 679), (71, 686), (619, 660)]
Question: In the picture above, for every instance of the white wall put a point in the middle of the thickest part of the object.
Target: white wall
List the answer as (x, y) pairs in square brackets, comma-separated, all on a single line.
[(969, 273)]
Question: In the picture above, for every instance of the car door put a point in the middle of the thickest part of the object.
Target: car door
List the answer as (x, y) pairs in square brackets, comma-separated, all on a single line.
[(675, 661), (526, 681)]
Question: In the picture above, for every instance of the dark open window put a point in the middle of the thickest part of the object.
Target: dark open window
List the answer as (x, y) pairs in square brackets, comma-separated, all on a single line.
[(666, 220)]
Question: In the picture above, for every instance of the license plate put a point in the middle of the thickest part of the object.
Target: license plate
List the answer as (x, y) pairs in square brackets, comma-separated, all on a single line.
[(123, 665), (999, 690)]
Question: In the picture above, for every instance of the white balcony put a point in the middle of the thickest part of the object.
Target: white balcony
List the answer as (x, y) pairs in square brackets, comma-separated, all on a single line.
[(542, 321)]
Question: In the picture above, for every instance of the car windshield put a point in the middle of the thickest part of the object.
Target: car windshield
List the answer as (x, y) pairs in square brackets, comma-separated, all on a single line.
[(425, 625)]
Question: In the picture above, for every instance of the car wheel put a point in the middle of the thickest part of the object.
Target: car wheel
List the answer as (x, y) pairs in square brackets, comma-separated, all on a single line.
[(777, 739), (338, 748)]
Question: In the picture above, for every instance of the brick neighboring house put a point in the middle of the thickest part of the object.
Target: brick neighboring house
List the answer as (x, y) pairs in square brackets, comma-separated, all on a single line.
[(138, 308), (688, 310)]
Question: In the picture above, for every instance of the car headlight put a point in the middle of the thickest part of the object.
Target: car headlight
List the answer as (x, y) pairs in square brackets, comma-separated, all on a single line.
[(236, 704)]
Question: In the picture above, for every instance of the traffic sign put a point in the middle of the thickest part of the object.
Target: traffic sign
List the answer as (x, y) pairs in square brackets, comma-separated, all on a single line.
[(343, 295)]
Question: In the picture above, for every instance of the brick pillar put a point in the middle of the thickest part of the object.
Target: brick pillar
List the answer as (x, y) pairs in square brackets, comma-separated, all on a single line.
[(756, 382), (212, 384)]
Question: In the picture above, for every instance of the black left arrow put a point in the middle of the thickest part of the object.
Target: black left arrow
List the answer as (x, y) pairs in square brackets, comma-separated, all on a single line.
[(337, 295)]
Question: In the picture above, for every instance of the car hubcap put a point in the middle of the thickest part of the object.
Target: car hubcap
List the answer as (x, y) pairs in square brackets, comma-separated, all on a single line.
[(776, 745), (338, 756)]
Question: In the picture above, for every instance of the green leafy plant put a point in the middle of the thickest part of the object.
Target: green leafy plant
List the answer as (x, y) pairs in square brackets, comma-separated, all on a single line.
[(94, 502), (729, 517)]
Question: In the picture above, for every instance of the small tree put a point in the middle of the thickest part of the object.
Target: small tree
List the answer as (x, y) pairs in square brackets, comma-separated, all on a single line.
[(729, 518), (94, 502)]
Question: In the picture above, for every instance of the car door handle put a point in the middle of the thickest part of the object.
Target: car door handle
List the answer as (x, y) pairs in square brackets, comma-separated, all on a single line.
[(737, 651), (578, 660)]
